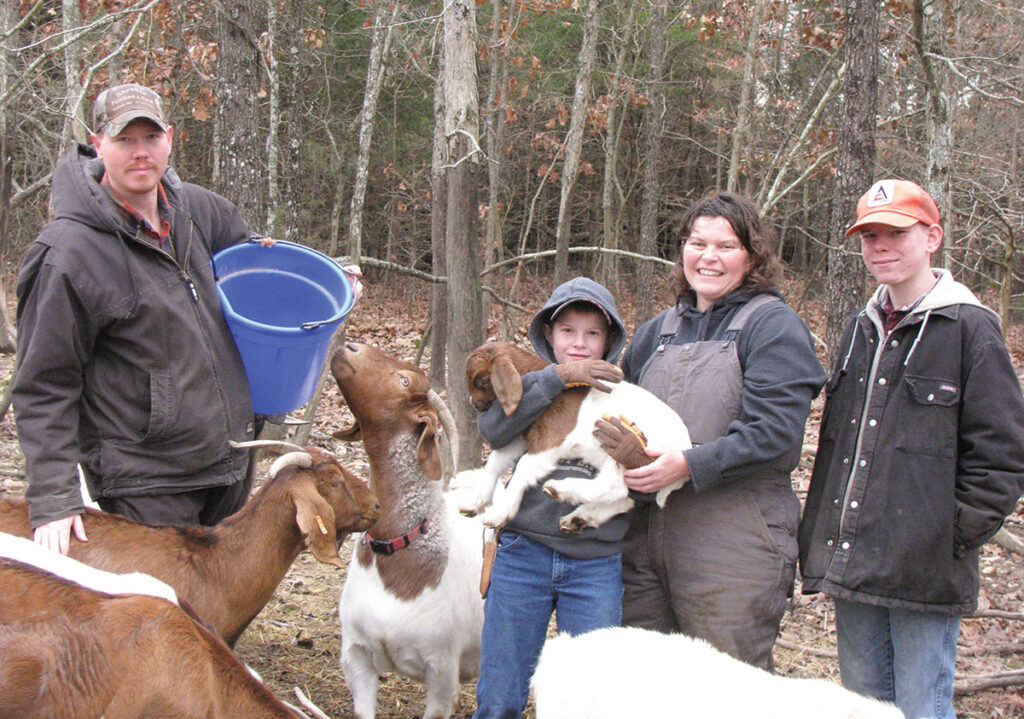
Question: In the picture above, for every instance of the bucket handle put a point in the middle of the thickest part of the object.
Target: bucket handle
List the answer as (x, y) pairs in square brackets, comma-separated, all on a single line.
[(337, 317)]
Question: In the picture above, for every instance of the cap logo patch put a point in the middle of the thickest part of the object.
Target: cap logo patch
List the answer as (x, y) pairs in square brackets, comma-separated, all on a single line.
[(881, 193)]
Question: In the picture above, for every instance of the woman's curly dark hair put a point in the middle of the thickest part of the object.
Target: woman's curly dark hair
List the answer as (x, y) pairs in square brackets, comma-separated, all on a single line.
[(757, 237)]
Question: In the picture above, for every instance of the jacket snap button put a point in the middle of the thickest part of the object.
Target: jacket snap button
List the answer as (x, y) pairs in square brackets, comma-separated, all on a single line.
[(931, 398)]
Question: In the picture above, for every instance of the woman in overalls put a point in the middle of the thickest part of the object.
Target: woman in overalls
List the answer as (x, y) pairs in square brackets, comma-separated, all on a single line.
[(738, 365)]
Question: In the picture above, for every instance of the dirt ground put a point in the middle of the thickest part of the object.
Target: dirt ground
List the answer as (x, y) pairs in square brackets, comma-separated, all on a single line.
[(295, 642)]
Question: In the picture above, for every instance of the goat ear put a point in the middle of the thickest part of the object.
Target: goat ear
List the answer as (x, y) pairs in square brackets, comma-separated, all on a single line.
[(349, 434), (508, 385), (428, 451), (316, 522)]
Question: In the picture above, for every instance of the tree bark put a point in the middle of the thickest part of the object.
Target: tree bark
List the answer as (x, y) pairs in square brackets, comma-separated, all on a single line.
[(574, 138), (931, 29), (739, 136), (381, 39), (654, 126), (495, 104), (611, 193), (75, 125), (438, 227), (855, 161), (284, 60), (239, 168), (465, 314)]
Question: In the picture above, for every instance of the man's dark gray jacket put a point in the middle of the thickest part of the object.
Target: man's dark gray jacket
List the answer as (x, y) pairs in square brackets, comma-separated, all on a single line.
[(125, 361)]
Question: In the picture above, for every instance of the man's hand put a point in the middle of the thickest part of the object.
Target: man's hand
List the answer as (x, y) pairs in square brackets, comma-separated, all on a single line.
[(56, 535), (354, 273), (592, 372), (623, 441)]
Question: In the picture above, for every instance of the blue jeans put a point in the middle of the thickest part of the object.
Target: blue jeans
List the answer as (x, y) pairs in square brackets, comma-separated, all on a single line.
[(528, 582), (901, 656)]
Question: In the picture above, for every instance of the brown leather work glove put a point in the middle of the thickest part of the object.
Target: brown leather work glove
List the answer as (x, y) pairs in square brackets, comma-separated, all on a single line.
[(592, 373), (622, 440)]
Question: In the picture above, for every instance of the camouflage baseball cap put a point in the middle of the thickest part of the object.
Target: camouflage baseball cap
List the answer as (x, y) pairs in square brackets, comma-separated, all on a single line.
[(117, 106)]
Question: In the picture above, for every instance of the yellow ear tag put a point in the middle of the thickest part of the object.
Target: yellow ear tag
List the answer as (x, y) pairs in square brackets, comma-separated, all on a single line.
[(320, 523)]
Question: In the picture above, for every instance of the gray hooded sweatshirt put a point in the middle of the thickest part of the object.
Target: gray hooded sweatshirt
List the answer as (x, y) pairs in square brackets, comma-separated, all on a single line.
[(539, 514)]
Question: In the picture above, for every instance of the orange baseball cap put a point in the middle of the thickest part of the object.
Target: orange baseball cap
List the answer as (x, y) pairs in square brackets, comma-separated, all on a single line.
[(898, 203)]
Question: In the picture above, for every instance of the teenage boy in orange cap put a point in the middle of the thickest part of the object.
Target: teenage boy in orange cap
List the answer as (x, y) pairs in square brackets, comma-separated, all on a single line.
[(920, 458)]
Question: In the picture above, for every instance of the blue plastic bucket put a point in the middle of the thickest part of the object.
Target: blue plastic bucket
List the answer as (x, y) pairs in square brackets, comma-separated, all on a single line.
[(282, 304)]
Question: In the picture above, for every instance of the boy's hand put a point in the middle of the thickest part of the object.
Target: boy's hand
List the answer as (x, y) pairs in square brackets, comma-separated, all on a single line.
[(592, 373), (622, 440)]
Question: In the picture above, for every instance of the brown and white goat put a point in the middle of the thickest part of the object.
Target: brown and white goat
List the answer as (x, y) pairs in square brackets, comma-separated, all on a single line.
[(565, 430), (74, 645), (227, 573), (416, 609)]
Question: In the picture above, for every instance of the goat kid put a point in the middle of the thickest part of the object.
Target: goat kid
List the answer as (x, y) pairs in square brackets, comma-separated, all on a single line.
[(228, 573), (565, 430), (410, 602), (674, 675), (80, 642)]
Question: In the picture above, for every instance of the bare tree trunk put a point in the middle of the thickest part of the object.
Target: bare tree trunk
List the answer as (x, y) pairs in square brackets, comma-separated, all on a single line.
[(284, 60), (495, 103), (574, 138), (462, 110), (381, 38), (611, 193), (931, 30), (855, 161), (75, 124), (438, 226), (650, 200), (239, 169), (739, 136)]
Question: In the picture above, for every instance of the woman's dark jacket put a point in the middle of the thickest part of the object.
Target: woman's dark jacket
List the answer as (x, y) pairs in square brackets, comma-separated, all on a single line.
[(781, 376), (920, 457), (125, 362)]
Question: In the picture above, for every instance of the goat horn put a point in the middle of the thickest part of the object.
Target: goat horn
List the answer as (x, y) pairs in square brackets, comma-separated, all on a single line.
[(292, 459), (274, 445), (448, 423), (308, 705)]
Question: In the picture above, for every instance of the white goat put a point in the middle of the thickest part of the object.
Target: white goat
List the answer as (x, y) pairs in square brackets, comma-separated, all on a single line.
[(672, 675), (564, 430), (80, 642), (227, 573), (411, 602)]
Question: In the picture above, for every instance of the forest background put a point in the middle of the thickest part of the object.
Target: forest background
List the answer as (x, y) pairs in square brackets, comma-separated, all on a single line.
[(468, 143), (469, 155), (471, 145)]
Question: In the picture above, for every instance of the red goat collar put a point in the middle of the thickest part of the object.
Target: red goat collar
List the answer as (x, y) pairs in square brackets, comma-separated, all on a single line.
[(390, 546)]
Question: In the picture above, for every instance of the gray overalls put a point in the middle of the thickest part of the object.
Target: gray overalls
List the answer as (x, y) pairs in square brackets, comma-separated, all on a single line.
[(718, 565)]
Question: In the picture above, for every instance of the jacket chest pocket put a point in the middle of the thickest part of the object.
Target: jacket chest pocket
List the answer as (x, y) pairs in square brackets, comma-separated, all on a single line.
[(927, 418)]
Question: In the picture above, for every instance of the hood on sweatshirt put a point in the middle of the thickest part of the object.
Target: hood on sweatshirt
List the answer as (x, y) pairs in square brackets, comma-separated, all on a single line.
[(579, 289)]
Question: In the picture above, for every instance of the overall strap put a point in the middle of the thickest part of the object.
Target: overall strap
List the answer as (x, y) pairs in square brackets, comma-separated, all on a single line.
[(739, 320)]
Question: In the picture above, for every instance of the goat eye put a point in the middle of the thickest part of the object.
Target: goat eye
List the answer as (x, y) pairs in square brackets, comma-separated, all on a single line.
[(405, 381)]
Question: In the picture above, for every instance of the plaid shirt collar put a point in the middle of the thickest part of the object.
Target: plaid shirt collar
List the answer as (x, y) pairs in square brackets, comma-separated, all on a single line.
[(163, 207)]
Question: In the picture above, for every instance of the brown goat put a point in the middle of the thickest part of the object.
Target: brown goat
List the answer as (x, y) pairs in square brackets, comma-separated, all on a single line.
[(494, 371), (564, 430), (69, 651), (228, 573)]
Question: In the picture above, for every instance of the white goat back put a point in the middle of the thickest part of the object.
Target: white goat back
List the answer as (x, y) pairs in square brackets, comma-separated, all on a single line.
[(663, 428), (628, 672), (28, 552)]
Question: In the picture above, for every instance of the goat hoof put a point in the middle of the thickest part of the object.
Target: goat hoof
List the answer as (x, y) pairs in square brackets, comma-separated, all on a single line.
[(551, 490), (571, 525), (468, 511)]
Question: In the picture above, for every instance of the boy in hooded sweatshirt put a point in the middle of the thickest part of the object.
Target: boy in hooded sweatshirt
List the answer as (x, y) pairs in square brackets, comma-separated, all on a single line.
[(920, 458), (538, 569)]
